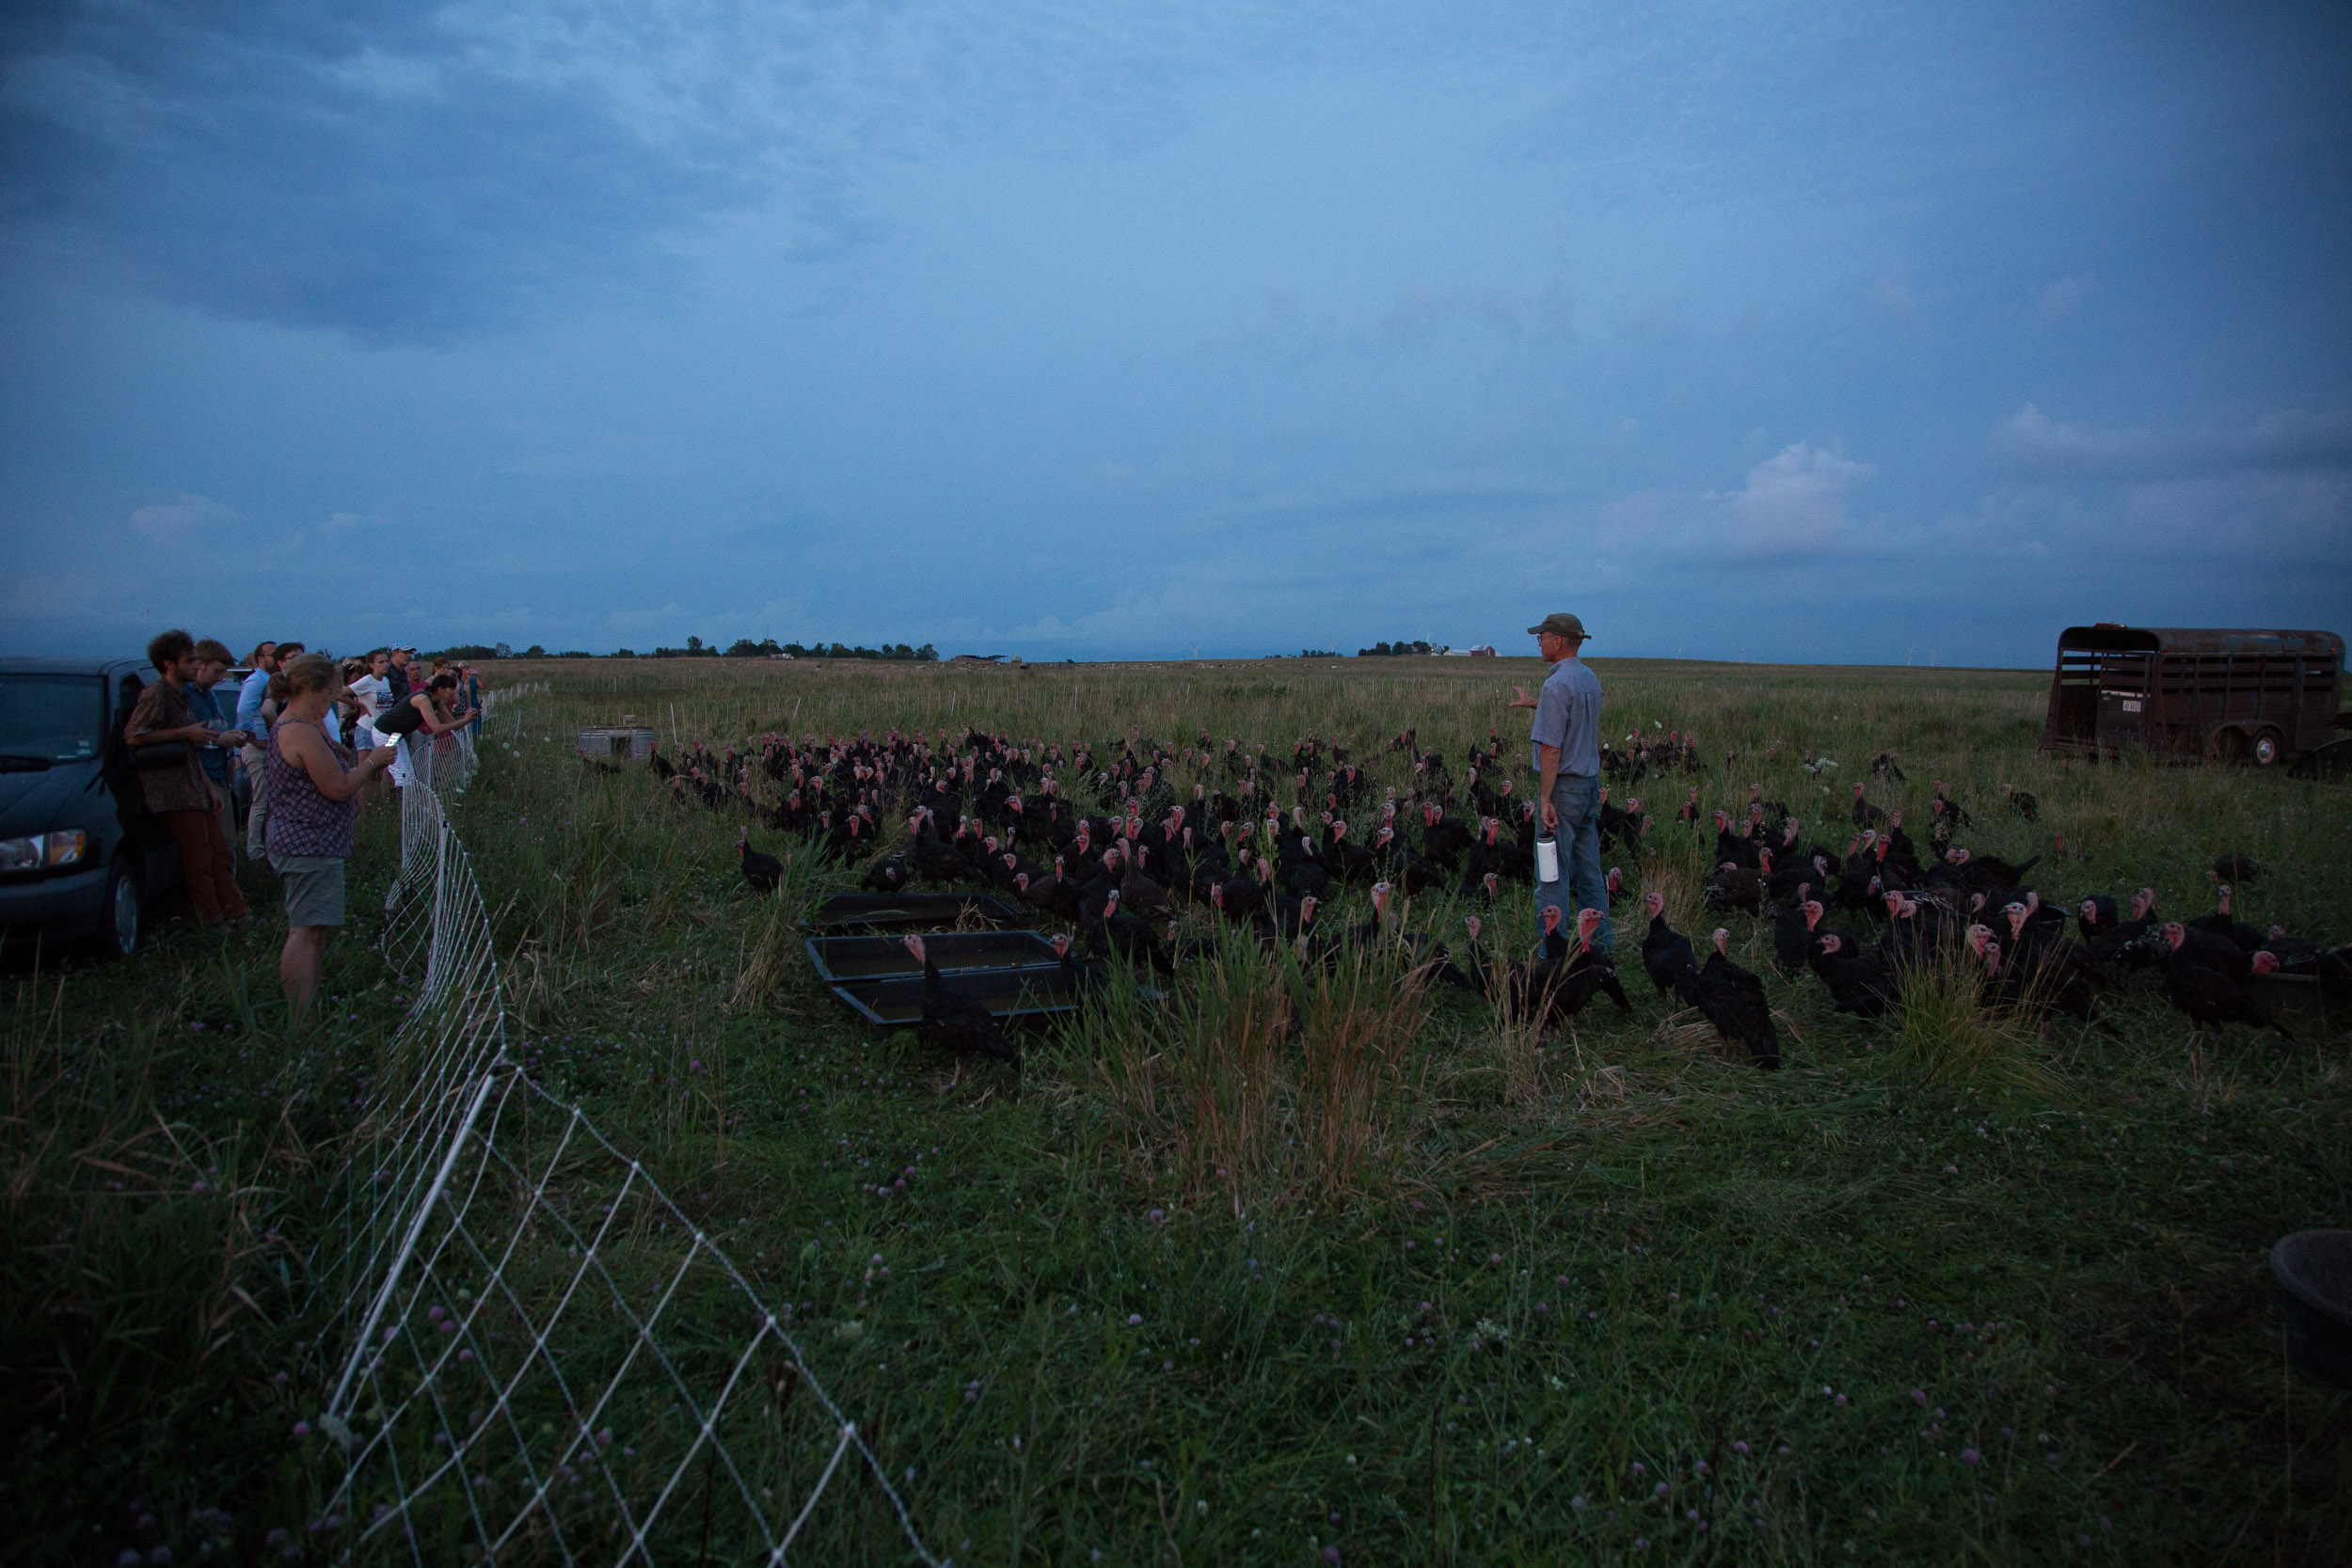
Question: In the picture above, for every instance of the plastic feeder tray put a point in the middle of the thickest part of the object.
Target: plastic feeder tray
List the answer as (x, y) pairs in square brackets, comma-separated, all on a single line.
[(2315, 1270), (954, 952), (909, 912), (1010, 994)]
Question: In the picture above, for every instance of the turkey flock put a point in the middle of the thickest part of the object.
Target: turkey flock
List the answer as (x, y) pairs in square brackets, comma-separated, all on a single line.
[(1104, 840)]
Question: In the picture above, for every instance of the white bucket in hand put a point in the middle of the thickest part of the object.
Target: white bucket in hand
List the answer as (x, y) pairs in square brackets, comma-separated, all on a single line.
[(1546, 860)]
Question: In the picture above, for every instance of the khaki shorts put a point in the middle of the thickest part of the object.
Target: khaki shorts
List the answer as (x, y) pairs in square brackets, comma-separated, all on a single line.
[(314, 888)]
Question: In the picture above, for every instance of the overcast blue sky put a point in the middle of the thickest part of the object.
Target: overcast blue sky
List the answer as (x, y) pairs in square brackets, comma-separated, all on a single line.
[(1817, 331)]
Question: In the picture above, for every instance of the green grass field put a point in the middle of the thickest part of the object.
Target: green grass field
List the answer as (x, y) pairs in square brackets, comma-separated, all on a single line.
[(1416, 1287)]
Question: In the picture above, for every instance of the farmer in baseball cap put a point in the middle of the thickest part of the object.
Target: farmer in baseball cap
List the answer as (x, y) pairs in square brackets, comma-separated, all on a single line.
[(1566, 746)]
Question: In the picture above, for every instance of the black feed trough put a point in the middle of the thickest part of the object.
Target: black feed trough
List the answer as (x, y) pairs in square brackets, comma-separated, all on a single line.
[(866, 958), (910, 911), (1010, 994), (2315, 1270), (2292, 994)]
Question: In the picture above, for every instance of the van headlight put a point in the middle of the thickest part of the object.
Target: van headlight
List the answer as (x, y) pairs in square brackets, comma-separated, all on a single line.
[(42, 849)]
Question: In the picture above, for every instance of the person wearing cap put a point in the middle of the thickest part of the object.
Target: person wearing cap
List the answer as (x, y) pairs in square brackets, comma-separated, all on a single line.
[(1567, 745), (398, 677)]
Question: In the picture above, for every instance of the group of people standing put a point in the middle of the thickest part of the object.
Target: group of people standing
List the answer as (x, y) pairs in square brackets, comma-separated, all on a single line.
[(310, 735)]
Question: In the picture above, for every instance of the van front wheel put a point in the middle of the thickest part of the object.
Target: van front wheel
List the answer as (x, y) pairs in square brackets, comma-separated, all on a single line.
[(2267, 749), (118, 935)]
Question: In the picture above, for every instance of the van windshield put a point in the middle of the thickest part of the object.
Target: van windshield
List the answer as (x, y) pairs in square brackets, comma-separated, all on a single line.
[(51, 718)]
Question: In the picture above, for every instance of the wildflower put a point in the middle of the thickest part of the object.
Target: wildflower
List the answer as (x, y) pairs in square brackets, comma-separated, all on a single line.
[(1576, 1502), (302, 1428), (1659, 1489), (1970, 1456), (1918, 1396), (1331, 1554), (1741, 1447), (1135, 1320)]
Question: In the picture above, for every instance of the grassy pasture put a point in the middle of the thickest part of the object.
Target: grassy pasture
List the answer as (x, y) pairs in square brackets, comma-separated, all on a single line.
[(1419, 1286)]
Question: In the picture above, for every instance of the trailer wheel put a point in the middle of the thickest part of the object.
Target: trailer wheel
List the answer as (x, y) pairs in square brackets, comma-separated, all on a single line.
[(2269, 748)]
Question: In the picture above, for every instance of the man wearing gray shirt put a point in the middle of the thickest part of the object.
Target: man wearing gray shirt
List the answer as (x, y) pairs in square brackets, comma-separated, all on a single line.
[(1566, 737)]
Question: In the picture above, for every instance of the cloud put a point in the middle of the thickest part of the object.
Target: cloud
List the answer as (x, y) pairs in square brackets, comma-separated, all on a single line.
[(415, 171), (342, 522), (182, 521), (2032, 440), (2062, 299), (1413, 319), (1792, 508), (1890, 293), (1794, 504), (65, 596)]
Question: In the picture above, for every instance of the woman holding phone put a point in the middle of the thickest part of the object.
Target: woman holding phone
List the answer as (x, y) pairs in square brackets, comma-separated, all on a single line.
[(313, 801)]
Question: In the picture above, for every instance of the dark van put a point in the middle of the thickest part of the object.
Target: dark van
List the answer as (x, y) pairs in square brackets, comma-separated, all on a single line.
[(80, 853)]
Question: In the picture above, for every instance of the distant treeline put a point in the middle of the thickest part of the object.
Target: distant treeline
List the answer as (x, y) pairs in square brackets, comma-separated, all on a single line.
[(1382, 650), (742, 647)]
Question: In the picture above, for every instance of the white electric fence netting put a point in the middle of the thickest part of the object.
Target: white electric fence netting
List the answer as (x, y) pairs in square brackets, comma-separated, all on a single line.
[(550, 1359)]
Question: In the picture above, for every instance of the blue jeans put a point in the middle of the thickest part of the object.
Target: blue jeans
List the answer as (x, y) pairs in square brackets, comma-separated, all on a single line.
[(1578, 802)]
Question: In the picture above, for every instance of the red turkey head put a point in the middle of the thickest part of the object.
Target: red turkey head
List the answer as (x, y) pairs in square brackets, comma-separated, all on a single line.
[(1655, 903), (1722, 939)]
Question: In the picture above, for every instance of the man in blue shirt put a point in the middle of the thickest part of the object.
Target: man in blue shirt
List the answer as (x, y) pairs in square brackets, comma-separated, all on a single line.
[(249, 720), (1567, 745)]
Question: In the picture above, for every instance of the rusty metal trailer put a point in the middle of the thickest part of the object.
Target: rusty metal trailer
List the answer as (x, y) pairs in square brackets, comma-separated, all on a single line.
[(2190, 694)]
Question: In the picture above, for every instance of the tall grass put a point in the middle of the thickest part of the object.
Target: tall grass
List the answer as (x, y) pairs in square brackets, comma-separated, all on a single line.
[(1946, 1032), (1267, 1082)]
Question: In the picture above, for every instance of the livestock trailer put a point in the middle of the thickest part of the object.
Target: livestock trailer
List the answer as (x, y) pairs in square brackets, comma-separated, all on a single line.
[(2189, 694)]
